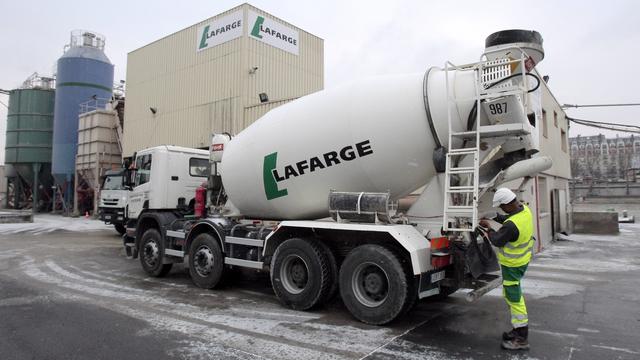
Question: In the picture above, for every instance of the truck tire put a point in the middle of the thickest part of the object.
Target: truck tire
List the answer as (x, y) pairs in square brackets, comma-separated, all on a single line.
[(300, 273), (152, 254), (120, 228), (413, 283), (206, 261), (333, 272), (373, 285)]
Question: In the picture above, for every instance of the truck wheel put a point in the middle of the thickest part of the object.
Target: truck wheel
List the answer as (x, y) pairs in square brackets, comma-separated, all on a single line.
[(152, 254), (373, 285), (206, 261), (333, 272), (301, 273), (413, 285), (120, 228)]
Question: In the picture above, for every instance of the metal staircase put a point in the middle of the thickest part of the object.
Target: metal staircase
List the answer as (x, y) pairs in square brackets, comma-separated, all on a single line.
[(462, 183)]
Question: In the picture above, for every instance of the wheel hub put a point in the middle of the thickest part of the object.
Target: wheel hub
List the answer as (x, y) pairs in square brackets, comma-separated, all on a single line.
[(373, 283), (370, 284), (151, 253), (294, 274), (203, 261)]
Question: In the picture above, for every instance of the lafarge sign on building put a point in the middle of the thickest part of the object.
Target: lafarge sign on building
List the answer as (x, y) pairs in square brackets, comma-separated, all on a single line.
[(273, 33), (259, 28), (220, 31)]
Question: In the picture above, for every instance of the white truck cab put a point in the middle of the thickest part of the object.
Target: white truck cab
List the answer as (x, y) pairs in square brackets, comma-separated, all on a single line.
[(165, 178), (113, 200)]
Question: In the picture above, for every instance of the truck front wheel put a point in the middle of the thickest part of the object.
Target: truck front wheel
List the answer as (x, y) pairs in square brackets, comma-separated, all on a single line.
[(206, 261), (120, 228), (301, 273), (152, 254), (373, 284)]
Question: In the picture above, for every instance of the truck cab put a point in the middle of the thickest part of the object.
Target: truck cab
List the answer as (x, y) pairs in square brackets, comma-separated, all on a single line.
[(113, 200), (164, 178)]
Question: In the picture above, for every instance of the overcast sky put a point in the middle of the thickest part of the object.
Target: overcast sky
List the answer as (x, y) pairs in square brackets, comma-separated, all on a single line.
[(592, 47)]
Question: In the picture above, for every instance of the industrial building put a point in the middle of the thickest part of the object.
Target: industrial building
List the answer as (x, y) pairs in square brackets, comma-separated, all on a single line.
[(553, 206), (605, 159), (218, 75), (548, 193)]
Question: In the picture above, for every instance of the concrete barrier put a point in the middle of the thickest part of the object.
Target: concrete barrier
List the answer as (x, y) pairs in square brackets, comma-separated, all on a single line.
[(595, 222), (16, 216)]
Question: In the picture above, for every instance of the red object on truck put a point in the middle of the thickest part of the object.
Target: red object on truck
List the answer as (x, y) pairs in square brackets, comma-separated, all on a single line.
[(440, 245), (200, 201)]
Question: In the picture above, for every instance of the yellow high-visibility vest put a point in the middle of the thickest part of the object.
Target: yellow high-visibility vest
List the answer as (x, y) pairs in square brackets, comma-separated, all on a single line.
[(518, 253)]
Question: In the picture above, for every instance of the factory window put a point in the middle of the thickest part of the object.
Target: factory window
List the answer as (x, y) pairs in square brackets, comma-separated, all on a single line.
[(143, 169), (555, 118), (545, 131), (543, 196), (199, 167), (563, 140)]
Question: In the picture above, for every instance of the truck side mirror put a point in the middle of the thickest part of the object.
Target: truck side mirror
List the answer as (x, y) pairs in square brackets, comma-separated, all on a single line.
[(128, 177)]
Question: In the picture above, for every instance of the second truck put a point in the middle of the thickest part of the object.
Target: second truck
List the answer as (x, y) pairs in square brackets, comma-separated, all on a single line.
[(309, 192)]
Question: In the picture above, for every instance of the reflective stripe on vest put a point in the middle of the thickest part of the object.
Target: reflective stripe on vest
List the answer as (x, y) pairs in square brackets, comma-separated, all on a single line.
[(518, 253)]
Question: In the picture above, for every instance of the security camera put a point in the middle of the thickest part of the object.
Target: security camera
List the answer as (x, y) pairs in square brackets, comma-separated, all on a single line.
[(253, 70)]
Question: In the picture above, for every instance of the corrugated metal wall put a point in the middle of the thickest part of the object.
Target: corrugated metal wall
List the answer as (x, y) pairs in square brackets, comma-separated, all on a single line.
[(197, 93), (97, 142), (252, 113)]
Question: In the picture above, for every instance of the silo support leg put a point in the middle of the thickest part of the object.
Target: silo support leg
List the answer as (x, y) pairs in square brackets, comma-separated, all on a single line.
[(34, 189), (75, 196)]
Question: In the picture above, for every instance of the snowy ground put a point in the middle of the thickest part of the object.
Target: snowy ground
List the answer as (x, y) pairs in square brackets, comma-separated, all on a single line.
[(46, 223), (64, 294)]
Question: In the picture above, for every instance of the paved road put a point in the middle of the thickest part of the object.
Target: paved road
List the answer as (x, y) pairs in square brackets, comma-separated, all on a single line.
[(73, 295)]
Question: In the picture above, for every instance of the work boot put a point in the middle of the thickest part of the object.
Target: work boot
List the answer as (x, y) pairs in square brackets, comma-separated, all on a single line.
[(516, 344), (516, 339), (509, 335)]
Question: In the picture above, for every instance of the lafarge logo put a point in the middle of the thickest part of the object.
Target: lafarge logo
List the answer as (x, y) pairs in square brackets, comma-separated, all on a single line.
[(273, 33), (273, 175), (220, 31)]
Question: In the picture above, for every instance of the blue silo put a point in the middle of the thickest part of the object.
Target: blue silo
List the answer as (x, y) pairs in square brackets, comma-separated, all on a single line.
[(84, 73)]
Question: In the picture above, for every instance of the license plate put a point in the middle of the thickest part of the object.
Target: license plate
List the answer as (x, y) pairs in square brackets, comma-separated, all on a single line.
[(435, 277), (107, 217)]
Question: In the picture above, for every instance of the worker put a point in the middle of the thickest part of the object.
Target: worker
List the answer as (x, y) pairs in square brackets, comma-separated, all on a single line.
[(514, 241)]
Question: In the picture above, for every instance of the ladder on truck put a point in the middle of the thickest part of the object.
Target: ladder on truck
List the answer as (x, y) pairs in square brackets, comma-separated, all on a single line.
[(461, 199)]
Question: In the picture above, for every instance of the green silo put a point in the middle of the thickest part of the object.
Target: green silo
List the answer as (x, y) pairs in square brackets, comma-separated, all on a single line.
[(28, 144)]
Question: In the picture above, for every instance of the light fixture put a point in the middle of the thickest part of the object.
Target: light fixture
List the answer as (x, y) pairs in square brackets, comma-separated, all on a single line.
[(153, 110), (263, 97)]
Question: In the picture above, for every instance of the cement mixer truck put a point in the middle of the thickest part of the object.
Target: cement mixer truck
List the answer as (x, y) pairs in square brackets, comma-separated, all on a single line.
[(310, 191)]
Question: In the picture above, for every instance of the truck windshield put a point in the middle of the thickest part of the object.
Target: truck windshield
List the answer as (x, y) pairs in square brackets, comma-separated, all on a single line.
[(113, 182)]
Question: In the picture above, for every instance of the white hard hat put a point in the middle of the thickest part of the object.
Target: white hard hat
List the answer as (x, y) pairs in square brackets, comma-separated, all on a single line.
[(503, 196)]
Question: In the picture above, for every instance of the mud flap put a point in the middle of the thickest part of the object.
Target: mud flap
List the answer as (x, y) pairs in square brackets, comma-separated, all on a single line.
[(480, 257)]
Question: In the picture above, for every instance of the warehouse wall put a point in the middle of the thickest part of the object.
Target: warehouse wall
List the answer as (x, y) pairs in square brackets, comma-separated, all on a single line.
[(548, 193), (196, 93), (282, 75)]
